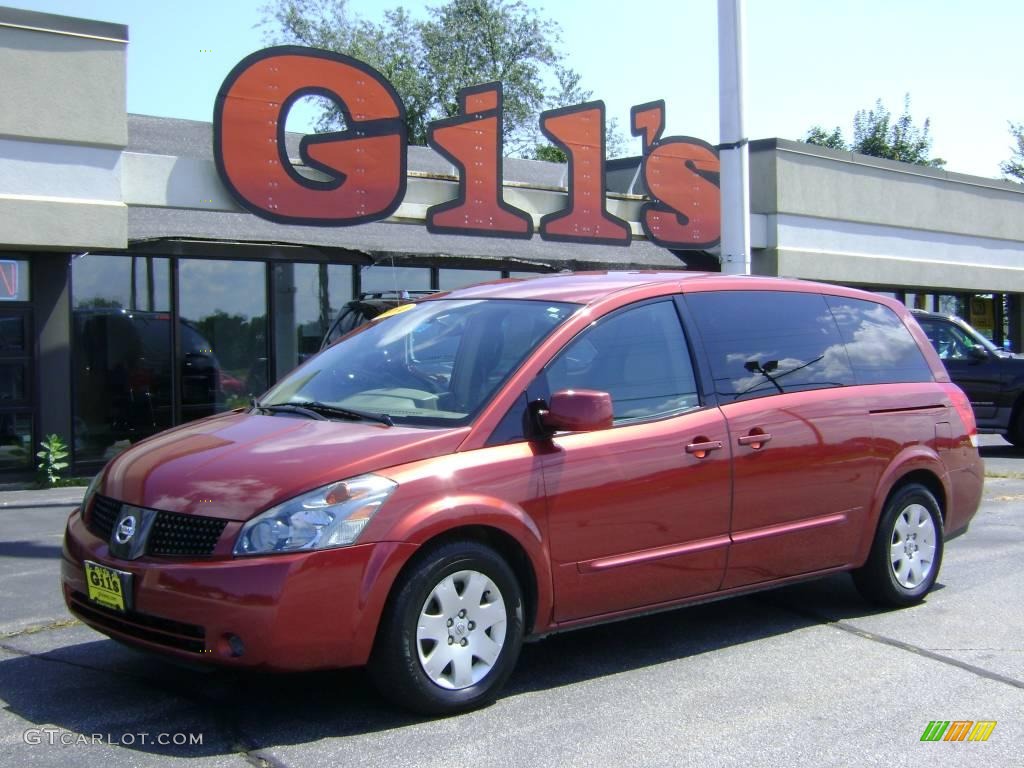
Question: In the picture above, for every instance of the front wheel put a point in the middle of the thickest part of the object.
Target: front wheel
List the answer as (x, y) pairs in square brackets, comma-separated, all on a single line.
[(1015, 434), (907, 550), (452, 631)]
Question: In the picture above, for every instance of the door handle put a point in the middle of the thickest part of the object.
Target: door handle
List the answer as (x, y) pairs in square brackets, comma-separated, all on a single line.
[(703, 448), (755, 440)]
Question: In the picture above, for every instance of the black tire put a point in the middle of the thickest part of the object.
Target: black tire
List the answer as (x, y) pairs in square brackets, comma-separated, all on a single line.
[(1015, 434), (880, 579), (395, 665)]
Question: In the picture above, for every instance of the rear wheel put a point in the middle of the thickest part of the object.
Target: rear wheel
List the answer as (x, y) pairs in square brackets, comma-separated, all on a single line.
[(452, 631), (907, 550)]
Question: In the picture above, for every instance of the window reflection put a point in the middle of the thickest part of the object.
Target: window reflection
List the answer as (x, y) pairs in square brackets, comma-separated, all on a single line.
[(879, 345), (450, 279), (384, 278), (307, 298), (764, 342), (121, 352), (15, 440), (223, 308)]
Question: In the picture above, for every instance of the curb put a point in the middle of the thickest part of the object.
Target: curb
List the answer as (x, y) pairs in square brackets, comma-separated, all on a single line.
[(40, 504)]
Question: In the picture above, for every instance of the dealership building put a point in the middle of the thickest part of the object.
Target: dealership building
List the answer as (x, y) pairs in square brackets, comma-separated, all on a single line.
[(135, 293)]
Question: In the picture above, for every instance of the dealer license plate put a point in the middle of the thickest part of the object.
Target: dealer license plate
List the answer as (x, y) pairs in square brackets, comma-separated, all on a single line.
[(108, 587)]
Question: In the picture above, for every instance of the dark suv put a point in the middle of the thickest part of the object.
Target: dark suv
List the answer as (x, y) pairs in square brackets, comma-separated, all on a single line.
[(992, 378)]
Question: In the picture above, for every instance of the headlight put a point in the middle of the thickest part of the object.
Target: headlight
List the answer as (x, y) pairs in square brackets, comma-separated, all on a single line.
[(332, 516)]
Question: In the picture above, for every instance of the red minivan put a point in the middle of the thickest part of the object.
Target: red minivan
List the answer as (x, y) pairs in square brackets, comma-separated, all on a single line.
[(525, 457)]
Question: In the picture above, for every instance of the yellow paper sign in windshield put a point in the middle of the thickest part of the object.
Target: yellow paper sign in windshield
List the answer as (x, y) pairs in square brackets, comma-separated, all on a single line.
[(394, 311)]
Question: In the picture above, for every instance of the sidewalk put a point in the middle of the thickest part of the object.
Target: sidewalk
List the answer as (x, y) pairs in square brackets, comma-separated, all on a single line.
[(49, 497)]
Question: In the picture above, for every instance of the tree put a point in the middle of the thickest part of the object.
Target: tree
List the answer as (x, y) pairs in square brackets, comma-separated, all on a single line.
[(819, 137), (876, 134), (1014, 167), (571, 92), (465, 42)]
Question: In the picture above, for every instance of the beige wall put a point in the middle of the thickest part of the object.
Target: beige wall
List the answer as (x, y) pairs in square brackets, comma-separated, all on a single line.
[(884, 223), (62, 128)]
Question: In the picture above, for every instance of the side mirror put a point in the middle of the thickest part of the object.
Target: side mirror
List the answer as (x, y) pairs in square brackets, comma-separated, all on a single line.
[(577, 410), (979, 353)]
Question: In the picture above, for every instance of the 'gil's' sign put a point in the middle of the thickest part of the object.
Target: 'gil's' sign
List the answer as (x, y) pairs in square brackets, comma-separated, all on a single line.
[(366, 163)]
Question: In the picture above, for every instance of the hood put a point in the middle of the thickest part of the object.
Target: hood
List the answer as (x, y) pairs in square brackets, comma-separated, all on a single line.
[(235, 465)]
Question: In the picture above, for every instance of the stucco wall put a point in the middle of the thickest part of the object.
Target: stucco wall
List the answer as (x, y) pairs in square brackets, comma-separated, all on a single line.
[(850, 218), (62, 130)]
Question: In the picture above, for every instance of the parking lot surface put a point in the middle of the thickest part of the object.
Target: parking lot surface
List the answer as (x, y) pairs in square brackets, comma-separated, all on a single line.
[(804, 675)]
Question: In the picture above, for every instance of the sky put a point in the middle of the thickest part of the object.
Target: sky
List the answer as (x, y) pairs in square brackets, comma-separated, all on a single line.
[(807, 62)]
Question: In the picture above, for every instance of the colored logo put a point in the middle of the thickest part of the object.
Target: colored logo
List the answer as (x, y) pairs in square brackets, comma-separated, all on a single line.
[(958, 730)]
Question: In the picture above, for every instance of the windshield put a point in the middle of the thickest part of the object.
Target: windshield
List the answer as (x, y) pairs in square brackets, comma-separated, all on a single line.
[(432, 364), (980, 338)]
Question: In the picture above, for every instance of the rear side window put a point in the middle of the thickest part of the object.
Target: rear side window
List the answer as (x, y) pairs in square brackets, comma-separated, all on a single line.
[(880, 346), (769, 342)]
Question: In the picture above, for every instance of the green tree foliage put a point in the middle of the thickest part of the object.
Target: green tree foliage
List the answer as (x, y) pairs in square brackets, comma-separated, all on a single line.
[(464, 43), (876, 133), (1014, 167), (822, 138), (569, 93)]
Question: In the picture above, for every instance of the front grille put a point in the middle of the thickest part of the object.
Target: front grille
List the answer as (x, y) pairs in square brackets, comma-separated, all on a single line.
[(177, 534), (172, 535), (103, 516), (141, 626)]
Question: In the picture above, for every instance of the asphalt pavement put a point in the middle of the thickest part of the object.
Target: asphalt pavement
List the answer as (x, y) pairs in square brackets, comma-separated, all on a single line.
[(804, 675)]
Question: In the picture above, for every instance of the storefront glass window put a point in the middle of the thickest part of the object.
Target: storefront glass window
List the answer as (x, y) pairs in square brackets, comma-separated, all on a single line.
[(14, 283), (982, 309), (384, 278), (121, 352), (15, 391), (920, 301), (223, 334), (457, 278), (15, 440), (307, 298), (952, 304)]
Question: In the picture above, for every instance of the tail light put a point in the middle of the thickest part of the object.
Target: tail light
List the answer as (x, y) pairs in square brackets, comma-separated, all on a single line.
[(963, 407)]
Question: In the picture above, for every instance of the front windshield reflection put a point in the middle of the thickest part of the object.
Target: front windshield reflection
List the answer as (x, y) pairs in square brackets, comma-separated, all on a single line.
[(435, 364)]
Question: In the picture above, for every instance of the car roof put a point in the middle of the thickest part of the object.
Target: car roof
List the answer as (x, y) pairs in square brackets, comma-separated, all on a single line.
[(937, 315), (588, 287)]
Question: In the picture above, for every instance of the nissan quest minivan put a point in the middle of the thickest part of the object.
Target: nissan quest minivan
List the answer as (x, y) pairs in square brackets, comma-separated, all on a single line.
[(524, 457)]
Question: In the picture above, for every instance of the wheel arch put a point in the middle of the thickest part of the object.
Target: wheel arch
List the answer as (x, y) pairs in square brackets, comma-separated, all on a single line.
[(919, 465), (506, 545)]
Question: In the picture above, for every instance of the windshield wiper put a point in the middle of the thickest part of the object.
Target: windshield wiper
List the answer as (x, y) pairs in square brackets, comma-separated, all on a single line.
[(290, 408), (345, 413), (321, 411)]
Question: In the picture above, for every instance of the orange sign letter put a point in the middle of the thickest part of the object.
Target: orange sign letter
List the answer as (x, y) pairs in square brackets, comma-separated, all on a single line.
[(473, 142), (681, 174), (579, 131), (365, 163)]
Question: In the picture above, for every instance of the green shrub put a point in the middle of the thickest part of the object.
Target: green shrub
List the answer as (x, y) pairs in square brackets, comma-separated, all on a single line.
[(52, 463)]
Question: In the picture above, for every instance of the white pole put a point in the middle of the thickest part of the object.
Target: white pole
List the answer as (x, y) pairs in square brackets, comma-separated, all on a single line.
[(733, 152)]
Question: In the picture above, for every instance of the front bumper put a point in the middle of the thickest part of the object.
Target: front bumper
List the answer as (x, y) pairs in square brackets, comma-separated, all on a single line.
[(309, 610)]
